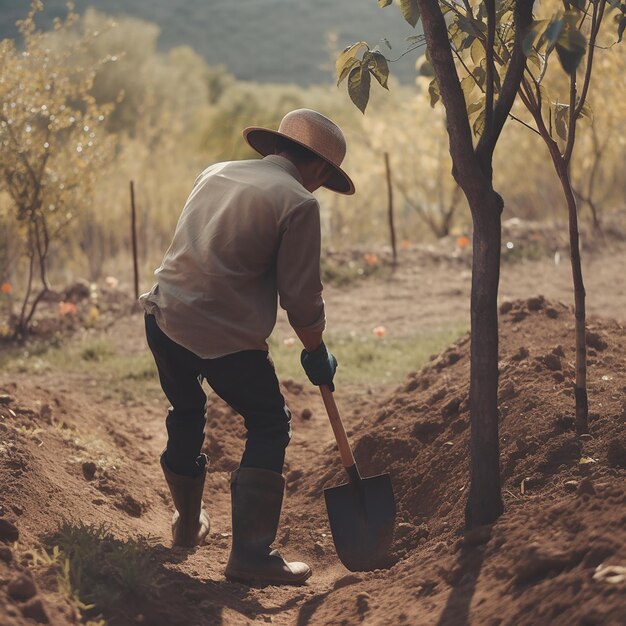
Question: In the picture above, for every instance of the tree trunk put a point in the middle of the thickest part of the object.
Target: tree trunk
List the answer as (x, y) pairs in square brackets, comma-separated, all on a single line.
[(484, 504), (580, 389)]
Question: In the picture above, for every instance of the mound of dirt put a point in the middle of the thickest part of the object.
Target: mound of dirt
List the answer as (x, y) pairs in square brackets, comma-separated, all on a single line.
[(556, 556), (565, 519)]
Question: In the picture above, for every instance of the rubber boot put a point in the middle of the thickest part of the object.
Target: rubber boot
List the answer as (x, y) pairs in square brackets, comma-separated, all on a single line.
[(257, 498), (190, 523)]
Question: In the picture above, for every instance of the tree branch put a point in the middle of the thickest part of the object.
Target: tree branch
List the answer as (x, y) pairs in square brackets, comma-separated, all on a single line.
[(459, 132), (523, 18), (490, 70)]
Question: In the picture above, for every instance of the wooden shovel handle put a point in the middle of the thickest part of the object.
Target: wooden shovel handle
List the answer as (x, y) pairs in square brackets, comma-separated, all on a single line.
[(345, 452)]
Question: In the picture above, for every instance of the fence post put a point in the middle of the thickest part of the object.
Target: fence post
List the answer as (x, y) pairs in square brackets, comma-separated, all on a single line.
[(133, 220), (392, 230)]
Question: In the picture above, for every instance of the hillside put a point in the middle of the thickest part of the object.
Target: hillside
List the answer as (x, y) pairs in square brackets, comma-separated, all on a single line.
[(280, 41)]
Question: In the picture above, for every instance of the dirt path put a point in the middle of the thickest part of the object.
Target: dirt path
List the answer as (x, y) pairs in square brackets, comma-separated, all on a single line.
[(70, 450)]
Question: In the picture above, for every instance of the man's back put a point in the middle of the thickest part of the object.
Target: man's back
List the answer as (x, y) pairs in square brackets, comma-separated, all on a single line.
[(216, 287)]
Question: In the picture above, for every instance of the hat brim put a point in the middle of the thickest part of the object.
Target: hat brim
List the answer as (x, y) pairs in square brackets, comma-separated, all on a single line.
[(263, 140)]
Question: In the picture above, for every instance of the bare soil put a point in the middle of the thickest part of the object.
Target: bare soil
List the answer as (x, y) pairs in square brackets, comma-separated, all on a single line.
[(556, 556)]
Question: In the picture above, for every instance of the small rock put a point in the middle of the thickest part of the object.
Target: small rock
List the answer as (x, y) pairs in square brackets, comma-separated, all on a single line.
[(46, 413), (306, 414), (439, 547), (520, 315), (505, 307), (451, 408), (6, 399), (345, 581), (612, 574), (5, 554), (535, 304), (558, 351), (570, 485), (363, 602), (89, 470), (521, 354), (596, 341), (552, 362), (34, 609), (403, 529), (318, 548), (616, 453), (17, 509), (8, 532), (586, 486), (22, 588), (558, 377), (294, 475), (552, 313)]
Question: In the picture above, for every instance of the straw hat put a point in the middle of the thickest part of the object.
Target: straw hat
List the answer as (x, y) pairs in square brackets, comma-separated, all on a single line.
[(313, 131)]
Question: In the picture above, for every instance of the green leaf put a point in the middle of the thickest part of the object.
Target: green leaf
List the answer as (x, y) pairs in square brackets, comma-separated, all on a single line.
[(348, 66), (621, 25), (553, 32), (571, 47), (377, 64), (533, 35), (384, 3), (535, 59), (477, 51), (561, 117), (359, 86), (479, 124), (475, 107), (348, 53), (480, 74), (410, 11), (586, 111), (471, 26), (433, 91)]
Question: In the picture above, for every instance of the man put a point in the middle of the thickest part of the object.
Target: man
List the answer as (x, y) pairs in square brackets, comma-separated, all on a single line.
[(249, 232)]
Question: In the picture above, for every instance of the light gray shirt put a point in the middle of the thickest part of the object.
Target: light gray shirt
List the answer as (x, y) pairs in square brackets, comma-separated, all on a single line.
[(248, 232)]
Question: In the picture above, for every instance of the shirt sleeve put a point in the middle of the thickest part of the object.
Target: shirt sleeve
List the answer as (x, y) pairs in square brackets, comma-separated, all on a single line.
[(298, 268)]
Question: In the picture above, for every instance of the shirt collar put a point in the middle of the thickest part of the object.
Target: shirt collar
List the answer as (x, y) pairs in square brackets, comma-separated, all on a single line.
[(286, 164)]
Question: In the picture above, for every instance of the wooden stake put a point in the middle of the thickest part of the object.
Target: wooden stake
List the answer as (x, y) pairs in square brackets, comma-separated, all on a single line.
[(133, 220), (392, 230)]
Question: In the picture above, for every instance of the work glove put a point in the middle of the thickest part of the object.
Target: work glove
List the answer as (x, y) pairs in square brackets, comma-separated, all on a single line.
[(320, 366)]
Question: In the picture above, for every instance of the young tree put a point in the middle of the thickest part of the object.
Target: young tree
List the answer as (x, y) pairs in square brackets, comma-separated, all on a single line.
[(52, 144), (572, 32), (477, 56)]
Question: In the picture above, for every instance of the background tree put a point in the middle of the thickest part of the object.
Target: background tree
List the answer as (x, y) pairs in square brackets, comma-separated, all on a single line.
[(51, 145), (477, 91), (572, 33), (415, 136)]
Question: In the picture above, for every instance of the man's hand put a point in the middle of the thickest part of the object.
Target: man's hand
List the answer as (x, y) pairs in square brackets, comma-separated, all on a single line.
[(320, 366)]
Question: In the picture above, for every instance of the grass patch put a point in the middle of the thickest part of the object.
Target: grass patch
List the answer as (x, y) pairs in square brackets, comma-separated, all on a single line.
[(98, 572), (369, 360), (123, 376), (345, 273)]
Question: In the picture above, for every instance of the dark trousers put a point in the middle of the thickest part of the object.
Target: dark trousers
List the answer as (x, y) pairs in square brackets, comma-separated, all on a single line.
[(245, 380)]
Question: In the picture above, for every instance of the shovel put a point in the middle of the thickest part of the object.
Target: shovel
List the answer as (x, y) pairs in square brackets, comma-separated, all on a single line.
[(362, 511)]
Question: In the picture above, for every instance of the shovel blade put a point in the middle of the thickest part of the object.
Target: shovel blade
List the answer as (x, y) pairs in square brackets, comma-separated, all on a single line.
[(362, 518)]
